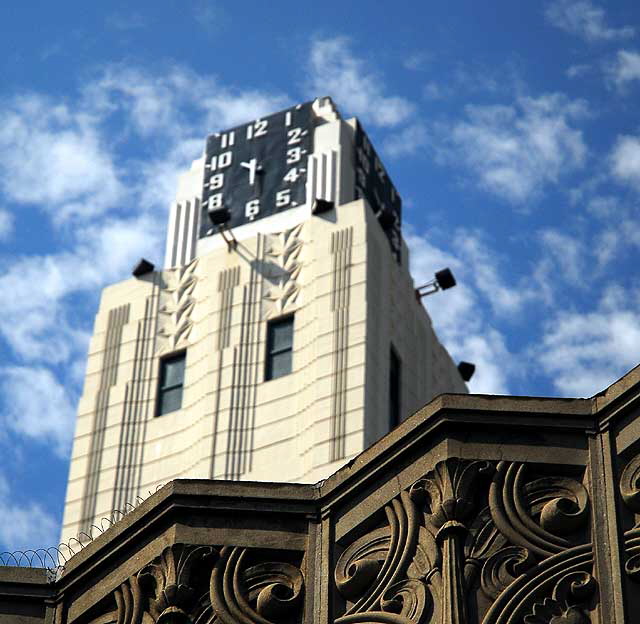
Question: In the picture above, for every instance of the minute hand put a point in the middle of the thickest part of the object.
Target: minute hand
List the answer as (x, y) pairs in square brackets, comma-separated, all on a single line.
[(253, 167)]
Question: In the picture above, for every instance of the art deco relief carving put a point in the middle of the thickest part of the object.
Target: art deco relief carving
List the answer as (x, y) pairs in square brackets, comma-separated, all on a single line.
[(203, 584), (176, 305), (474, 541), (283, 265)]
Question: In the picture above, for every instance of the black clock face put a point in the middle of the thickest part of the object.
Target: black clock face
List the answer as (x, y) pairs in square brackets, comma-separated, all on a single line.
[(257, 169), (374, 185)]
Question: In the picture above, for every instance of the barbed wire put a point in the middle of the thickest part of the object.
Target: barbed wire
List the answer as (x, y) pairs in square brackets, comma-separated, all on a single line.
[(55, 558)]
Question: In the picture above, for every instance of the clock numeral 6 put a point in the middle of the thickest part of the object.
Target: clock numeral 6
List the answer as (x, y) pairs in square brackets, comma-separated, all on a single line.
[(294, 154), (216, 181), (220, 161), (283, 198), (215, 202), (252, 209)]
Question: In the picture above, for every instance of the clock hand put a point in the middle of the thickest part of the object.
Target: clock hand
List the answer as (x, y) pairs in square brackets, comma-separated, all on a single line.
[(253, 167)]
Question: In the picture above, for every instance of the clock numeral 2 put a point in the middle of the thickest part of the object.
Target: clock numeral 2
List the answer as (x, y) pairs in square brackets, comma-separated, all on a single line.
[(252, 209)]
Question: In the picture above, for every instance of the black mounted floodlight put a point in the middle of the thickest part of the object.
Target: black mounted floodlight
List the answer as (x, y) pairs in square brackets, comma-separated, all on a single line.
[(442, 280), (220, 217), (143, 266), (321, 205), (466, 370)]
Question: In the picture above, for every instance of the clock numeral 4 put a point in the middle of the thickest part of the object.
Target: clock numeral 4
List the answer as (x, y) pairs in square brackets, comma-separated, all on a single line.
[(216, 181), (215, 202), (283, 198), (252, 209), (220, 161), (292, 175), (294, 154), (257, 129)]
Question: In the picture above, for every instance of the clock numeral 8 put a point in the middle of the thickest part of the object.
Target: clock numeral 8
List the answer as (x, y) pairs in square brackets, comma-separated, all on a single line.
[(215, 202), (252, 209)]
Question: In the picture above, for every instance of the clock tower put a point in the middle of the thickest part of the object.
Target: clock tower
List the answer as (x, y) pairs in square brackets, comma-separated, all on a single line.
[(283, 335)]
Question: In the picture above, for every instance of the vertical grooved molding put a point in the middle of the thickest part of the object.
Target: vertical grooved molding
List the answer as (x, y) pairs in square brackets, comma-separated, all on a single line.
[(341, 244), (136, 409), (182, 233), (245, 377), (227, 282), (117, 319)]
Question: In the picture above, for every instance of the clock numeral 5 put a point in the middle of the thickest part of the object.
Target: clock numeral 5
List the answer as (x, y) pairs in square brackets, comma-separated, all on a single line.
[(221, 161), (252, 209), (283, 198), (257, 129)]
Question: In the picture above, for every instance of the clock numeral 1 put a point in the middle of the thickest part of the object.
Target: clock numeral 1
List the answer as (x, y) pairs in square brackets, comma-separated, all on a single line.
[(252, 209), (283, 198), (257, 129), (221, 161), (287, 118), (216, 181), (227, 139), (215, 202)]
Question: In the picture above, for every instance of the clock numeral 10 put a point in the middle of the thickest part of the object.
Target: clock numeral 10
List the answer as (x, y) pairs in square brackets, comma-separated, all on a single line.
[(221, 161), (252, 209), (257, 129)]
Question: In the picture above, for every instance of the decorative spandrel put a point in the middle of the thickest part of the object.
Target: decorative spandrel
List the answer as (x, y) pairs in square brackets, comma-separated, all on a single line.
[(474, 541), (205, 584)]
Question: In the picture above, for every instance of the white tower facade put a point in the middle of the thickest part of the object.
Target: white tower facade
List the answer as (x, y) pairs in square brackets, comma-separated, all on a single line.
[(281, 339)]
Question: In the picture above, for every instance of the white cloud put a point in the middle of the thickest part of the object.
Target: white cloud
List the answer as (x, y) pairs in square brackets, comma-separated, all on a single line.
[(336, 71), (625, 68), (458, 319), (575, 71), (625, 160), (515, 151), (25, 526), (54, 158), (6, 224), (584, 19), (37, 406), (563, 258), (406, 141), (584, 352)]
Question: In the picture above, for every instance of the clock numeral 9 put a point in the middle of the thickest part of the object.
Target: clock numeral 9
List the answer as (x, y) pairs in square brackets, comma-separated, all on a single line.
[(252, 209), (294, 154), (283, 198), (221, 161), (216, 181), (215, 202), (257, 129)]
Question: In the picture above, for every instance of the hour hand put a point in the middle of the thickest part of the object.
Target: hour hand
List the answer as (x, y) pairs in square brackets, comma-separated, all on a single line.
[(253, 168)]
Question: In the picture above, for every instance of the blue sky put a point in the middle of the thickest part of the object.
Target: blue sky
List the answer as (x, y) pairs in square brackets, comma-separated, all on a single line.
[(510, 129)]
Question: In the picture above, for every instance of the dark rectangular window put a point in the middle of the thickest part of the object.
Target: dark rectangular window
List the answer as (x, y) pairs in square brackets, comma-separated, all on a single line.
[(394, 389), (171, 383), (279, 348)]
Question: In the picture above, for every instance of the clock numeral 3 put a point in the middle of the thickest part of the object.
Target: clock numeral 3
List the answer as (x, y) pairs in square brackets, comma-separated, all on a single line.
[(294, 155)]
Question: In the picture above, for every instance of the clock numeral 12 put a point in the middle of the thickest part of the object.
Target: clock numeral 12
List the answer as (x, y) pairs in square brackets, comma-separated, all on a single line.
[(257, 129), (252, 209)]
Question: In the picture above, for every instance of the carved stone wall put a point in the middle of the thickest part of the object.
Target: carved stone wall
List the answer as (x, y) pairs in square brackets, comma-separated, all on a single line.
[(489, 510)]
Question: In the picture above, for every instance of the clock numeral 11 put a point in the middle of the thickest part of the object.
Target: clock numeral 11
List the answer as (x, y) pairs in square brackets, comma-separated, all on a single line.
[(227, 139)]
